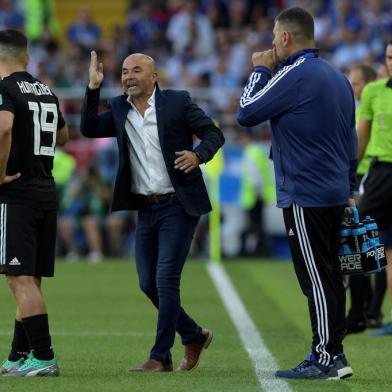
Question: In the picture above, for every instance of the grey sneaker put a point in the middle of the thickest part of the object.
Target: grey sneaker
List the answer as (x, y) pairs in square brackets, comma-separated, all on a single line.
[(36, 367), (9, 366)]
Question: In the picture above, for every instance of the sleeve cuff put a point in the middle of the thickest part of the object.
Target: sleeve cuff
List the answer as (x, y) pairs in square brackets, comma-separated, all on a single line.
[(202, 160), (261, 68)]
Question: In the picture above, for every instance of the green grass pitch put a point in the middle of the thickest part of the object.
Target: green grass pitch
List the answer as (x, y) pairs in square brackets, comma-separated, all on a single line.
[(102, 325)]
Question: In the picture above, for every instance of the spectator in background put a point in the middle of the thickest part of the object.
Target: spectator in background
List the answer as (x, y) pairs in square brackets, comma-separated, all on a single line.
[(10, 17), (382, 72), (375, 139), (191, 29), (345, 16), (88, 200), (377, 26), (84, 32), (40, 19), (238, 14), (143, 27), (257, 191), (351, 49), (217, 14), (64, 166), (117, 224)]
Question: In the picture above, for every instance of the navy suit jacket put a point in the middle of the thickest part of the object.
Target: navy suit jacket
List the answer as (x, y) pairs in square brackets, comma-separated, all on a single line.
[(178, 119)]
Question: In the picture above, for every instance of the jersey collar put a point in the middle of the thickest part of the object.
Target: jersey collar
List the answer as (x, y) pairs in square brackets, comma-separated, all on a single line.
[(389, 83), (311, 52)]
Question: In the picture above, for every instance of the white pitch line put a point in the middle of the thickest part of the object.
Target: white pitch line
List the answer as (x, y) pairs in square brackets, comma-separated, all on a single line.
[(263, 361)]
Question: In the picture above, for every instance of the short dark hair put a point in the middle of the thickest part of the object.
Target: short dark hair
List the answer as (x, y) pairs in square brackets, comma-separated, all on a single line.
[(13, 44), (368, 72), (299, 22)]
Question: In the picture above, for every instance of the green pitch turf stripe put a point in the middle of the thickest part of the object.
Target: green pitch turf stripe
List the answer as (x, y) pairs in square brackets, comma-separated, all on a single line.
[(90, 333), (263, 361)]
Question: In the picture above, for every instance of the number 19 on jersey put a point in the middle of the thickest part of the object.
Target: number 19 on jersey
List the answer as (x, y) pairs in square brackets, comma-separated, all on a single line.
[(41, 124)]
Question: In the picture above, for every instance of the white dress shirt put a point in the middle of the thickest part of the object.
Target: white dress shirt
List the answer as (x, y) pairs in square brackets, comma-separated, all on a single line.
[(149, 174)]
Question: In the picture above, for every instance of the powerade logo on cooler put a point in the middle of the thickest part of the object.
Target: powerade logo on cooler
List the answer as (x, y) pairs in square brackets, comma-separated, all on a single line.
[(350, 262), (380, 253)]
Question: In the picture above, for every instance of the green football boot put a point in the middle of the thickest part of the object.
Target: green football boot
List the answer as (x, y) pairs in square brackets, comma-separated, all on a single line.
[(9, 366), (36, 367)]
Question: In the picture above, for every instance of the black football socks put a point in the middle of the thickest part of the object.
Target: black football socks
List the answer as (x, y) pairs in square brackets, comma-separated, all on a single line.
[(37, 332), (20, 345)]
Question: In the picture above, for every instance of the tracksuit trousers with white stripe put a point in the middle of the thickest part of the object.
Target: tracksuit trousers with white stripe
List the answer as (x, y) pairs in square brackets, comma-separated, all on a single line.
[(313, 235)]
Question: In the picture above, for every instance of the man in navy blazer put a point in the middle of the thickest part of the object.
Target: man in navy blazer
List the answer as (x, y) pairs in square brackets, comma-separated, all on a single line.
[(159, 176)]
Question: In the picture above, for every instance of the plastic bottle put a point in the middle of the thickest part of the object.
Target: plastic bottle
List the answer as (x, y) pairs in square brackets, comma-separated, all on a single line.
[(345, 235), (371, 231), (359, 241)]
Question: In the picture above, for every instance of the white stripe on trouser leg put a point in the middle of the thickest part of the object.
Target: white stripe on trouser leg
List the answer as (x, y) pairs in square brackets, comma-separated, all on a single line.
[(318, 292), (2, 233), (324, 313)]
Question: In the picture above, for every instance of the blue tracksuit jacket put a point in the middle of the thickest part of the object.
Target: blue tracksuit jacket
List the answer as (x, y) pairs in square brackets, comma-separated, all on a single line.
[(314, 142)]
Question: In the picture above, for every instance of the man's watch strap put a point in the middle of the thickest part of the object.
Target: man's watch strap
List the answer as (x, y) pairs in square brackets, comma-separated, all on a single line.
[(199, 156)]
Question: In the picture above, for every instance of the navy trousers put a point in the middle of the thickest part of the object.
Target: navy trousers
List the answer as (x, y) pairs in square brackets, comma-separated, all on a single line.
[(164, 234)]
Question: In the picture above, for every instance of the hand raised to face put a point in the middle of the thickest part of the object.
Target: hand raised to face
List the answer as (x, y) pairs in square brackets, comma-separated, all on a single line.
[(267, 59)]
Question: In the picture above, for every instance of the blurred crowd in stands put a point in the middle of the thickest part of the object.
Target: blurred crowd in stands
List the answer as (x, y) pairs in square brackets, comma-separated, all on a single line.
[(204, 46)]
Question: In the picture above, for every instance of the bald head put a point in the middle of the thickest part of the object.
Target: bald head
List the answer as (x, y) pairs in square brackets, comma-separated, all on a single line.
[(139, 76), (141, 57)]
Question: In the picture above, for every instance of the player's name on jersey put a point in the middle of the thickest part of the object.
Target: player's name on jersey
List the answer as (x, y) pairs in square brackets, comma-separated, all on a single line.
[(36, 88)]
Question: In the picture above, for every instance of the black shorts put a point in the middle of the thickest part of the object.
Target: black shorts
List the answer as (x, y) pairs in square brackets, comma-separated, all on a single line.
[(27, 240), (376, 200)]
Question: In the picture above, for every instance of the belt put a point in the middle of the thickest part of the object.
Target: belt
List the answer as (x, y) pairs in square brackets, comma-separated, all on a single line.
[(153, 199)]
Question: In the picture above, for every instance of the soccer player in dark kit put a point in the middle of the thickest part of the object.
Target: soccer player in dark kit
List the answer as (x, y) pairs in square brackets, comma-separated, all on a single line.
[(31, 124)]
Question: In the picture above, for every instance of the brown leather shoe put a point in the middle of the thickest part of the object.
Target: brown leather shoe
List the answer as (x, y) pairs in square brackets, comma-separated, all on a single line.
[(152, 365), (193, 352)]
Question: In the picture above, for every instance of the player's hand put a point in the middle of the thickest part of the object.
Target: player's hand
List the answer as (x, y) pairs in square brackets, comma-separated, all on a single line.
[(8, 179), (186, 161), (95, 72), (267, 59)]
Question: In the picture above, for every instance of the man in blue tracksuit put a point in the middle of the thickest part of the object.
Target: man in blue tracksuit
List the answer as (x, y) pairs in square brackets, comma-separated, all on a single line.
[(314, 150)]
